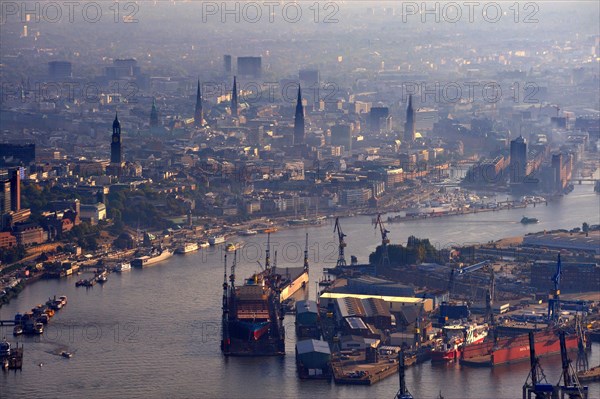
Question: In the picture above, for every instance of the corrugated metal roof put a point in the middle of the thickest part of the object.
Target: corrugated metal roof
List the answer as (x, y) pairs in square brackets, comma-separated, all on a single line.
[(306, 307), (312, 345)]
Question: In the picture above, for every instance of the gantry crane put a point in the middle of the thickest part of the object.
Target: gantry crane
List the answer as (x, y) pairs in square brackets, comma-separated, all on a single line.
[(385, 258), (341, 244), (554, 302)]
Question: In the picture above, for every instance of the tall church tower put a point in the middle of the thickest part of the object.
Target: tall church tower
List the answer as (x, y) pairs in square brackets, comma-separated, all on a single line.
[(154, 114), (198, 111), (299, 120), (409, 125), (116, 156), (234, 99)]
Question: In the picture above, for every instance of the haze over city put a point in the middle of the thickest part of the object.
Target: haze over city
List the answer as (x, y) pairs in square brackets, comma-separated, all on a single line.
[(345, 199)]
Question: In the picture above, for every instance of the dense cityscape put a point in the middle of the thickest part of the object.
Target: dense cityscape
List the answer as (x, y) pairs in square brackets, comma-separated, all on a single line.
[(394, 195)]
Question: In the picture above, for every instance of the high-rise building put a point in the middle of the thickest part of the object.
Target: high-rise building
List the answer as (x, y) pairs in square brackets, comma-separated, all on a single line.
[(299, 120), (309, 77), (234, 99), (116, 157), (15, 190), (376, 116), (14, 154), (227, 63), (5, 197), (518, 160), (154, 115), (198, 111), (249, 66), (342, 135), (409, 125), (60, 69)]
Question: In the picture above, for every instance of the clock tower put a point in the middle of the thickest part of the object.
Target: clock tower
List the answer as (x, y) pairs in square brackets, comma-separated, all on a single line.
[(116, 156)]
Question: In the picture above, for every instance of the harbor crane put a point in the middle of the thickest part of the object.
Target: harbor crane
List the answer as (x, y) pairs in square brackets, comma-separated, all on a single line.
[(341, 243), (225, 341), (268, 253), (554, 302), (385, 258), (403, 392), (306, 254), (536, 382), (571, 385)]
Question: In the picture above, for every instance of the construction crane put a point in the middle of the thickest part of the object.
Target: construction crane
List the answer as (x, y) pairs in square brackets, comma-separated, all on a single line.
[(385, 258), (554, 302), (571, 385), (341, 244), (403, 392)]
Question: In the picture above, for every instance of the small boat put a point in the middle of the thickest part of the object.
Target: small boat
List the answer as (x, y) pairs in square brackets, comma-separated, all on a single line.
[(123, 267), (4, 348), (249, 233), (592, 374), (102, 278), (204, 244), (80, 283), (38, 328), (67, 355), (63, 299), (18, 330), (232, 246), (527, 220)]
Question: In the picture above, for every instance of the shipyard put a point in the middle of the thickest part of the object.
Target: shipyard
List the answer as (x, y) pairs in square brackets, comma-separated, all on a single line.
[(309, 206)]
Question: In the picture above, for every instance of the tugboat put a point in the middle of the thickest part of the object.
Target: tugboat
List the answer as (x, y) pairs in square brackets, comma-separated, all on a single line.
[(456, 336), (527, 220)]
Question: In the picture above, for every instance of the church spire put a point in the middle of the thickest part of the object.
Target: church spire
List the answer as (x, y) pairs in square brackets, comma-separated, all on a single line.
[(154, 114), (234, 99), (198, 112), (299, 120), (409, 126)]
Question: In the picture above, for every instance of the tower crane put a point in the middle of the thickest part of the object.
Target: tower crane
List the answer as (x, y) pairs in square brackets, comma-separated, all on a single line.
[(341, 244), (385, 258)]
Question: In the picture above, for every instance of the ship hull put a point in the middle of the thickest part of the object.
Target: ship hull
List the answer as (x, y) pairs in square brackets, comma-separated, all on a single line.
[(295, 283), (514, 349)]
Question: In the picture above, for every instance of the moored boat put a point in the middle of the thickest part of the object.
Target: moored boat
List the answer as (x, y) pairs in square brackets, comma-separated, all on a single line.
[(216, 240), (123, 267), (455, 337), (187, 248), (507, 350), (156, 256)]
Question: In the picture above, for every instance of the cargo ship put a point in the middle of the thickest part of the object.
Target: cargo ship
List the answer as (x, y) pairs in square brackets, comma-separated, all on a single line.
[(252, 317), (508, 350), (156, 256), (455, 337)]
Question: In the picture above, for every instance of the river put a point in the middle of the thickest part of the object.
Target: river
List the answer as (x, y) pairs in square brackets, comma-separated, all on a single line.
[(155, 332)]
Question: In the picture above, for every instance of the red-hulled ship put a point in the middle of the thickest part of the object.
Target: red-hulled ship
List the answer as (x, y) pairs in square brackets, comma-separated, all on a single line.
[(515, 349), (455, 336)]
